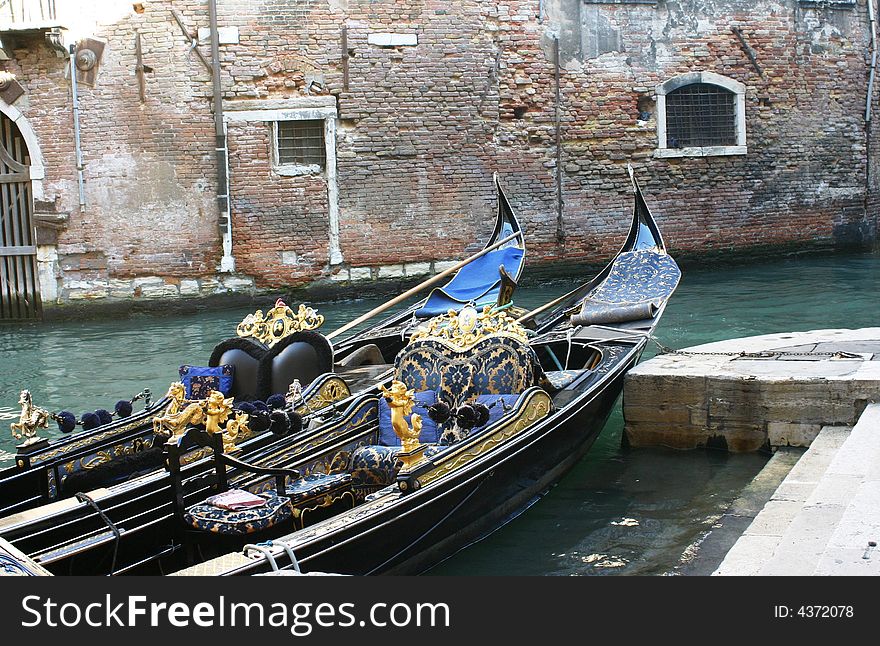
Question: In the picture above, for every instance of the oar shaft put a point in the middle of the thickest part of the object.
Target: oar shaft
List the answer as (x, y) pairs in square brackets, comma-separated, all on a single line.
[(427, 283), (546, 306)]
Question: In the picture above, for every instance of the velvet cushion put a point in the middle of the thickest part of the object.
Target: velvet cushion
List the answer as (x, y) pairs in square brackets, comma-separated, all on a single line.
[(200, 381), (316, 484), (496, 406), (213, 519), (430, 432)]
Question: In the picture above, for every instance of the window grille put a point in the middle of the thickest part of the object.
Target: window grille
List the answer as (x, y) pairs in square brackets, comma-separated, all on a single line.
[(700, 114), (301, 142)]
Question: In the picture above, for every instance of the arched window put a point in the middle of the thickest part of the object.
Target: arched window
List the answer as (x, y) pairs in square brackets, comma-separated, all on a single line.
[(700, 114)]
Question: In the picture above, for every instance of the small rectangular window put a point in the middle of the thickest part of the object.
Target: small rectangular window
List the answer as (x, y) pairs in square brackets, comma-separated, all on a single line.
[(700, 114), (301, 142)]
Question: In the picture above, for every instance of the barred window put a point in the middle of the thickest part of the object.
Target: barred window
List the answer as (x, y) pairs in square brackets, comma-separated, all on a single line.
[(700, 114), (301, 142)]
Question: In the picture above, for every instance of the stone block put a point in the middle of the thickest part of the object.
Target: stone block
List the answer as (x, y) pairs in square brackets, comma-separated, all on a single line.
[(443, 265), (417, 268), (237, 283), (189, 287), (162, 290), (391, 271), (360, 273)]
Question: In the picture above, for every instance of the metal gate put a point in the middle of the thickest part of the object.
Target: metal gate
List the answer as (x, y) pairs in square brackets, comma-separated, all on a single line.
[(19, 283)]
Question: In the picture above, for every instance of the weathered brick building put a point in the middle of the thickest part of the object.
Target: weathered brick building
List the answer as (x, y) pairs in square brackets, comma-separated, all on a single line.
[(362, 135)]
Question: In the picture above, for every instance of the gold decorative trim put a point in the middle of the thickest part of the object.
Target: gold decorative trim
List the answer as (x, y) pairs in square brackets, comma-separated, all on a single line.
[(278, 322), (538, 407), (334, 389), (463, 330)]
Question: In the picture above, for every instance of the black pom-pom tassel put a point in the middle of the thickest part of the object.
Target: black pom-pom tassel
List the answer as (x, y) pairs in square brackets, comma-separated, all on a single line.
[(123, 408), (90, 421), (276, 401), (466, 416), (279, 424), (104, 415), (66, 421), (439, 412), (296, 421), (482, 414)]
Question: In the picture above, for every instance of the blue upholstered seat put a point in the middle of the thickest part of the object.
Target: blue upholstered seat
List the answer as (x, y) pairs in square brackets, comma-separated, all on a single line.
[(430, 431), (478, 281), (213, 519), (376, 467), (316, 484)]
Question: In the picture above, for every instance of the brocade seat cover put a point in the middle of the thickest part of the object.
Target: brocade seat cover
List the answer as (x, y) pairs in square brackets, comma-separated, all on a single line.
[(316, 485), (637, 285), (207, 517), (559, 379), (376, 467), (496, 365)]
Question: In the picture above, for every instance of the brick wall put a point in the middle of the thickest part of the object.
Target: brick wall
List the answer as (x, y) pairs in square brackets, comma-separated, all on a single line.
[(421, 129)]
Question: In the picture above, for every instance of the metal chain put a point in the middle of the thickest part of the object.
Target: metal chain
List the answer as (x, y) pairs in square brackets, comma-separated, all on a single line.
[(766, 354)]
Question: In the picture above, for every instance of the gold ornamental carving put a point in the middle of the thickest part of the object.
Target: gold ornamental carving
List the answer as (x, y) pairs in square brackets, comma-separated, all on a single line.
[(31, 418), (278, 322), (400, 401), (463, 330)]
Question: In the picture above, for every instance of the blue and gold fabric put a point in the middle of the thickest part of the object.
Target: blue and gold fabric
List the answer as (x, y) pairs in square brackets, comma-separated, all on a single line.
[(226, 522), (638, 283), (430, 432), (200, 381), (315, 485), (374, 467), (495, 365), (559, 379)]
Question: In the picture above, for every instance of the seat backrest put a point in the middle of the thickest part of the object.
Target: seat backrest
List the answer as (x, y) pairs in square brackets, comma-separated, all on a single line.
[(245, 355), (498, 363), (302, 355)]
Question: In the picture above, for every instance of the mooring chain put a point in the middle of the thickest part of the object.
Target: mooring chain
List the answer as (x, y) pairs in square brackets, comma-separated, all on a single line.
[(766, 354)]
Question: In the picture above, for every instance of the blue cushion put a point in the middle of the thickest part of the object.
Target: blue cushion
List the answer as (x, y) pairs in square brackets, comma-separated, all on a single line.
[(200, 381), (478, 281), (213, 519), (430, 433), (496, 406)]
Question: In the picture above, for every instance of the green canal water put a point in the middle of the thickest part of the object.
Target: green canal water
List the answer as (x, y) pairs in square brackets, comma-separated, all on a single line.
[(619, 511)]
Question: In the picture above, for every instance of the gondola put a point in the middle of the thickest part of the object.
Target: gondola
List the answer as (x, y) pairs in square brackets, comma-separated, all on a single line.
[(528, 396), (124, 527)]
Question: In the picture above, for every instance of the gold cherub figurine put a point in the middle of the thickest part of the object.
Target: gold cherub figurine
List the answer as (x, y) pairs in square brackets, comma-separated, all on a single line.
[(400, 401)]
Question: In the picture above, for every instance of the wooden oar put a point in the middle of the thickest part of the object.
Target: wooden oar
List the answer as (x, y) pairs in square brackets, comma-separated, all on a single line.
[(546, 306), (431, 281)]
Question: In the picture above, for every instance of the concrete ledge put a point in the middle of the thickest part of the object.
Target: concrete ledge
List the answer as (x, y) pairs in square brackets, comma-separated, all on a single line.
[(713, 395)]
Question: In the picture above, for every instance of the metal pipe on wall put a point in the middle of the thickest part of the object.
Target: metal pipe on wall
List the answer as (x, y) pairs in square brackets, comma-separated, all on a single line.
[(227, 261), (560, 230), (76, 139), (872, 23)]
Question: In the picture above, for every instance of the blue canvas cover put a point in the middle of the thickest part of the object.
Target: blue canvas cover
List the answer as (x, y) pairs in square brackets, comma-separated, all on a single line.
[(478, 281)]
